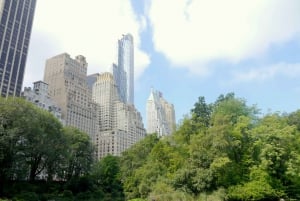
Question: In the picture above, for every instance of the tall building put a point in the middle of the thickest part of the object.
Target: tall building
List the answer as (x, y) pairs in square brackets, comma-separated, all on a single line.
[(105, 95), (119, 75), (125, 67), (119, 124), (91, 79), (68, 88), (39, 96), (16, 18), (160, 115)]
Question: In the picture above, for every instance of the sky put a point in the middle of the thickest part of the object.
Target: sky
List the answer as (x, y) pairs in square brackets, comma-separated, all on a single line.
[(183, 48)]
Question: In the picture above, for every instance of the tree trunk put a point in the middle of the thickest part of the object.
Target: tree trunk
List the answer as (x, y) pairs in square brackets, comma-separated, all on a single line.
[(33, 168)]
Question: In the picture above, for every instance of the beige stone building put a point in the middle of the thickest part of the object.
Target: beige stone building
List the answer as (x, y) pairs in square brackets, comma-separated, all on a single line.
[(160, 114), (69, 90), (119, 124)]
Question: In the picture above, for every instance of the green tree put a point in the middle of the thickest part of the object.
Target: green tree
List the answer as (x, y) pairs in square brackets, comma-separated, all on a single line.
[(106, 174), (218, 156), (132, 160), (201, 113), (275, 149), (294, 119), (28, 138), (41, 145), (10, 111), (78, 153), (258, 187)]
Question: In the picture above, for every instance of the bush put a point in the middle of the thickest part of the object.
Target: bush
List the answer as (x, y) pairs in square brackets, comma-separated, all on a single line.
[(26, 196)]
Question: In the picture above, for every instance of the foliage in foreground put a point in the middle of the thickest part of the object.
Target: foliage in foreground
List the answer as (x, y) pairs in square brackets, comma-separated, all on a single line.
[(222, 151), (42, 160)]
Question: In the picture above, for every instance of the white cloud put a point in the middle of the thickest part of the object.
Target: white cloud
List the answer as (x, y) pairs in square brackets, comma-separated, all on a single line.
[(268, 72), (90, 28), (191, 33)]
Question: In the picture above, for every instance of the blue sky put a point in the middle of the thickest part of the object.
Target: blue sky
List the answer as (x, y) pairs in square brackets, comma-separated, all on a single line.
[(183, 48)]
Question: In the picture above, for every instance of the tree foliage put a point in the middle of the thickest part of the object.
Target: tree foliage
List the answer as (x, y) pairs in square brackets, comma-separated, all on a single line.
[(30, 139), (34, 145), (78, 155), (223, 151)]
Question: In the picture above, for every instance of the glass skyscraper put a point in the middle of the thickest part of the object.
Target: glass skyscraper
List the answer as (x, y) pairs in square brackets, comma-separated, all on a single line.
[(126, 66), (16, 18), (120, 81)]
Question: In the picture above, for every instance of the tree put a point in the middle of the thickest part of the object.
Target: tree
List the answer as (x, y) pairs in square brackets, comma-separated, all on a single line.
[(201, 113), (276, 148), (42, 144), (28, 139), (294, 119), (10, 110), (258, 188), (106, 174), (78, 153), (132, 160), (32, 138), (217, 154)]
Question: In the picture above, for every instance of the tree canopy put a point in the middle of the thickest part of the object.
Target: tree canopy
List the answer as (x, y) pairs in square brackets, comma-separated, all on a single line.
[(224, 150)]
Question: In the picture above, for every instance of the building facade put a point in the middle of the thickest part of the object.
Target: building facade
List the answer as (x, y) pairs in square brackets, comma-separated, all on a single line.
[(105, 95), (119, 124), (68, 88), (160, 115), (119, 75), (16, 19), (91, 79), (126, 67), (39, 96)]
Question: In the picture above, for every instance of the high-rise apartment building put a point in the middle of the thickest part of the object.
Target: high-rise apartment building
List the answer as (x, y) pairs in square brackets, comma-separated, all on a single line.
[(119, 124), (124, 71), (160, 115), (105, 95), (39, 96), (68, 88), (16, 18)]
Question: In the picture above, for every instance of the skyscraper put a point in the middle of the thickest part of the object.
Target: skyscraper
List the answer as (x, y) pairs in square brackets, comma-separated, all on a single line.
[(16, 18), (120, 80), (69, 90), (126, 67), (160, 115), (120, 125)]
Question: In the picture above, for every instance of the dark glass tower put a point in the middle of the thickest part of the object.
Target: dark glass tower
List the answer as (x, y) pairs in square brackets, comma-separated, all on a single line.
[(16, 18)]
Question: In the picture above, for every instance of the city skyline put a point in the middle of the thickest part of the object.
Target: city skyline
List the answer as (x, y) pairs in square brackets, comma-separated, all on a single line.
[(198, 49)]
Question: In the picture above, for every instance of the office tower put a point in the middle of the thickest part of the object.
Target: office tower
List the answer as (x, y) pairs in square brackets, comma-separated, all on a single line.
[(126, 64), (169, 113), (69, 90), (105, 95), (39, 96), (16, 18), (119, 124), (120, 79), (160, 115)]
